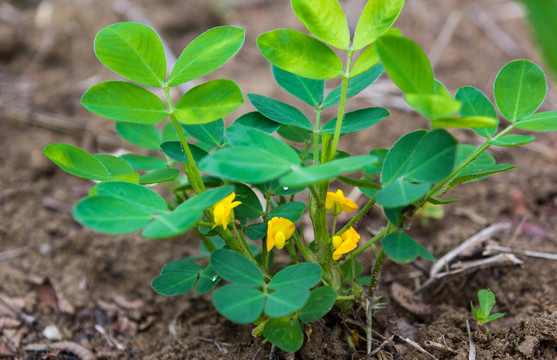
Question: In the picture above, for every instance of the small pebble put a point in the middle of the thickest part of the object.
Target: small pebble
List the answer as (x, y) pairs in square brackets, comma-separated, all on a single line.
[(52, 333)]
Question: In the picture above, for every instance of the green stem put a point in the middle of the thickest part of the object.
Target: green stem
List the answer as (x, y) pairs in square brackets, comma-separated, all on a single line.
[(204, 224), (345, 297), (343, 95), (264, 252), (316, 132), (372, 241), (465, 163), (244, 244), (206, 241), (190, 168), (306, 253), (292, 252), (334, 224), (357, 217)]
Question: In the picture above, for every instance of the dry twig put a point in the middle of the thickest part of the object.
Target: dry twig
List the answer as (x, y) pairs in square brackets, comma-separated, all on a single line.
[(481, 236), (497, 35), (493, 249), (472, 353), (66, 346)]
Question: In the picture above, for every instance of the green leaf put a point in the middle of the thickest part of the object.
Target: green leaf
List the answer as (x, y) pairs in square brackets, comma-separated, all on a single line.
[(377, 17), (286, 300), (134, 51), (143, 135), (144, 163), (519, 89), (320, 302), (364, 61), (136, 195), (487, 301), (400, 193), (110, 215), (415, 76), (482, 166), (304, 275), (401, 248), (207, 198), (544, 121), (76, 161), (256, 231), (172, 224), (118, 169), (206, 53), (262, 156), (474, 104), (308, 90), (250, 208), (475, 122), (185, 215), (394, 215), (300, 54), (433, 105), (397, 159), (211, 133), (159, 175), (512, 140), (174, 150), (241, 304), (250, 137), (245, 164), (357, 120), (350, 263), (279, 111), (286, 333), (176, 278), (433, 158), (257, 121), (495, 316), (208, 279), (208, 102), (356, 84), (480, 173), (292, 211), (236, 268), (168, 133), (302, 176), (294, 133), (324, 19)]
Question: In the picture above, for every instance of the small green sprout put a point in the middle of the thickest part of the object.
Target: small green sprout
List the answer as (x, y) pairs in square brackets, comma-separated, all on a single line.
[(482, 315)]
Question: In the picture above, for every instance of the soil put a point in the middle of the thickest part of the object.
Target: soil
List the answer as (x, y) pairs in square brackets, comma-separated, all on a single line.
[(91, 294)]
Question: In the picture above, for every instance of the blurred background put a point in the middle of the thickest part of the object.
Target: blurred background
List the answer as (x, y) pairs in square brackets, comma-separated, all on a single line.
[(95, 289)]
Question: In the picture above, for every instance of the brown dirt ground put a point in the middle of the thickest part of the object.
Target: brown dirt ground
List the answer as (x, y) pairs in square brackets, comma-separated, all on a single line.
[(95, 289)]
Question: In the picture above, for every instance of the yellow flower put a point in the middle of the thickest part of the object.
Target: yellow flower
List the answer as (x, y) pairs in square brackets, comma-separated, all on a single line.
[(222, 211), (278, 231), (336, 202), (345, 243)]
